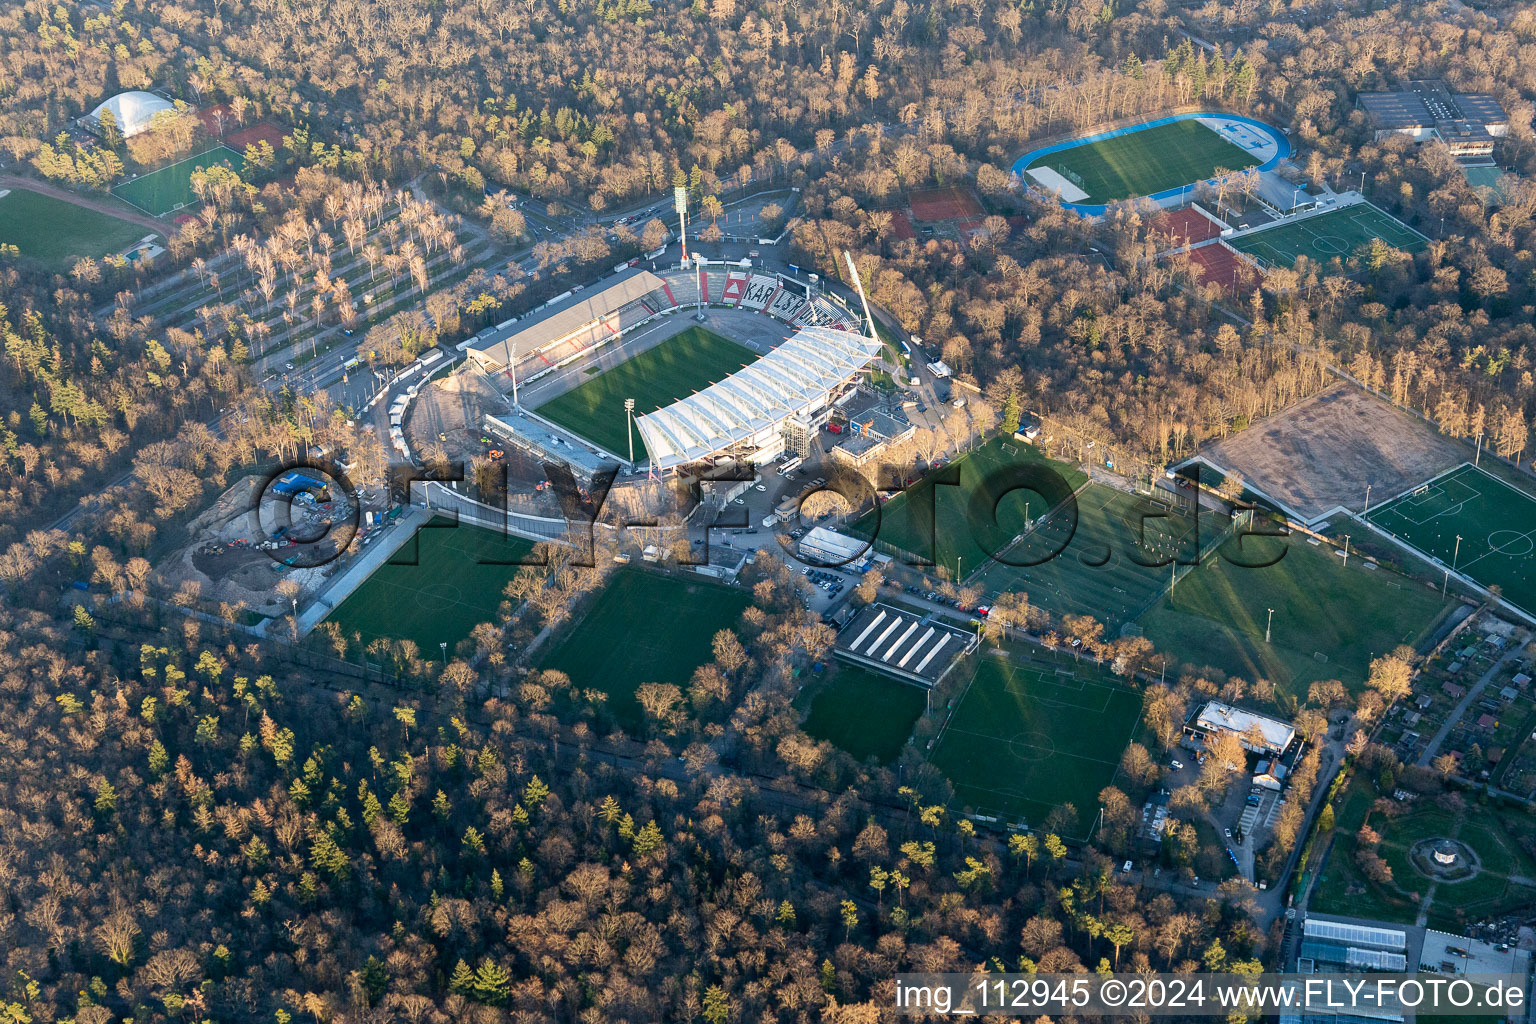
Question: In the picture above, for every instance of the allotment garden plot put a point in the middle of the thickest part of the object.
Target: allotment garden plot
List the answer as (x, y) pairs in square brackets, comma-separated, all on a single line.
[(1495, 521), (1031, 734)]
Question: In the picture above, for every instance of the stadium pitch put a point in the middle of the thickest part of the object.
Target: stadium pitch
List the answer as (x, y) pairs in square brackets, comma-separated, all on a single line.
[(645, 627), (1330, 619), (1030, 735), (862, 713), (1146, 162), (1495, 521), (1320, 238), (169, 188), (687, 362), (440, 585)]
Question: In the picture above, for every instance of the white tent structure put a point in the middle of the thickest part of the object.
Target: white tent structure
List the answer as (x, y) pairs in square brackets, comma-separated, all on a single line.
[(747, 409), (132, 110)]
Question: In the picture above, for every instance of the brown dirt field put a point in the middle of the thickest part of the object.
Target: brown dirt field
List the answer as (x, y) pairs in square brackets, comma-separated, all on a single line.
[(901, 226), (950, 203), (1185, 226), (257, 132), (1324, 451)]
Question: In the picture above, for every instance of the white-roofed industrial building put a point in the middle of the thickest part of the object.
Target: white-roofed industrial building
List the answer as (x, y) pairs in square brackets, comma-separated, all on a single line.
[(914, 648), (746, 411), (1259, 734), (134, 111)]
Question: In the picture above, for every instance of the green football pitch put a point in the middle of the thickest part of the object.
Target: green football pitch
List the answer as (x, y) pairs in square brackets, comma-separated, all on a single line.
[(1329, 619), (169, 188), (1112, 563), (1031, 734), (953, 524), (1147, 162), (686, 362), (861, 712), (1321, 237), (441, 584), (1494, 521), (646, 627), (56, 232)]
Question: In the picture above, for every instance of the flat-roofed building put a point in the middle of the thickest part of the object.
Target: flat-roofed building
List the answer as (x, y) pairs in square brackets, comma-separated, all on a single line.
[(914, 648), (1259, 734), (1425, 111)]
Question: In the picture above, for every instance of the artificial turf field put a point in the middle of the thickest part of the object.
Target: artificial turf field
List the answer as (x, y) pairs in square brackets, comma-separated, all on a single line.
[(1149, 161), (1330, 619), (1338, 233), (436, 588), (645, 627), (1031, 734), (1495, 521), (1097, 567), (863, 713), (56, 232), (170, 187), (686, 362)]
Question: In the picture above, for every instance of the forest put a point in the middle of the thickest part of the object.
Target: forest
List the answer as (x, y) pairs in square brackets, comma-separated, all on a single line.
[(200, 824)]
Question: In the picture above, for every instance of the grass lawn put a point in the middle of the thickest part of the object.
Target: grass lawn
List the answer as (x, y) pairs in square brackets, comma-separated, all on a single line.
[(1329, 619), (1495, 521), (1099, 565), (56, 232), (861, 712), (646, 628), (1338, 233), (1149, 161), (436, 588), (1493, 833), (170, 187), (686, 362), (940, 523), (1031, 734)]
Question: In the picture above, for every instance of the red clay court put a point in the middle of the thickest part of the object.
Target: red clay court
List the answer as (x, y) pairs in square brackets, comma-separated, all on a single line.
[(1216, 264), (255, 133), (951, 203), (1185, 226), (901, 227)]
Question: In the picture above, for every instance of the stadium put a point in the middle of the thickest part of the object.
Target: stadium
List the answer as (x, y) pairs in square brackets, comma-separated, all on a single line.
[(613, 373)]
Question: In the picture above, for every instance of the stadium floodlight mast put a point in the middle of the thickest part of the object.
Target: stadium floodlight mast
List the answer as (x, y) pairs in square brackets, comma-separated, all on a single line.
[(858, 285), (1268, 625), (629, 420), (680, 200)]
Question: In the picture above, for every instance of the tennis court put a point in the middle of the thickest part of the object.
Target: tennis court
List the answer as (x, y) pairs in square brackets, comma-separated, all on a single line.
[(645, 627), (1474, 522), (169, 188), (1325, 236), (440, 585), (689, 361), (1031, 734)]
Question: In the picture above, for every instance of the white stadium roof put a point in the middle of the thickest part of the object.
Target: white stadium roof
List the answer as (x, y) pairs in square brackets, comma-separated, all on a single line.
[(787, 381), (133, 110)]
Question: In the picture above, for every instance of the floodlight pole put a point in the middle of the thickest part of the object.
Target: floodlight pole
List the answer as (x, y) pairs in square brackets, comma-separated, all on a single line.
[(512, 369), (1346, 551), (1477, 459), (1446, 586), (859, 287), (444, 645), (629, 422), (1268, 625), (680, 200), (1456, 557), (1367, 499)]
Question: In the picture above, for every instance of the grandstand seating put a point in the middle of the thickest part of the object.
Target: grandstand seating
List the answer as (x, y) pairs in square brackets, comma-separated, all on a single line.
[(759, 290), (714, 286), (685, 288), (786, 305)]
